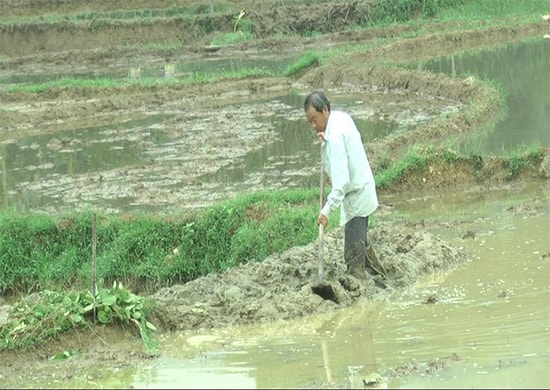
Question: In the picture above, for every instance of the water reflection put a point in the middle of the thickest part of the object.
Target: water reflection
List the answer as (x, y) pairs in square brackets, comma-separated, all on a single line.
[(295, 150), (330, 349), (522, 69), (87, 149), (170, 373), (35, 158)]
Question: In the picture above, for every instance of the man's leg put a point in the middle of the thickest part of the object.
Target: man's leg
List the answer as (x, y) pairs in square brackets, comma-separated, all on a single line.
[(355, 236)]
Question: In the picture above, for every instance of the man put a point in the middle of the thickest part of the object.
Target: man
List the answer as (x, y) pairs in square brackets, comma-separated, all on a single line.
[(353, 187)]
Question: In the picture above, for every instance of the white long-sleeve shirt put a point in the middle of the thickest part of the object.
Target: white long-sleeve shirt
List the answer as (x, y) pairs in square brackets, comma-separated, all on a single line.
[(345, 159)]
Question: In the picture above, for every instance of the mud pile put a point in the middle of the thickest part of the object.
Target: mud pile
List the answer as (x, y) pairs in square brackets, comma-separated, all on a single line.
[(280, 287)]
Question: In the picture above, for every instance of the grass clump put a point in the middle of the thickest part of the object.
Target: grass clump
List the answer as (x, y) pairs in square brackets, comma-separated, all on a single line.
[(232, 38), (401, 11), (242, 32), (418, 159), (522, 157), (494, 9), (306, 61), (398, 11)]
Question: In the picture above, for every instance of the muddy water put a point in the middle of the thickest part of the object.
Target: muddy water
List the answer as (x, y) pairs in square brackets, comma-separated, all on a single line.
[(296, 149), (493, 312), (46, 171), (488, 325)]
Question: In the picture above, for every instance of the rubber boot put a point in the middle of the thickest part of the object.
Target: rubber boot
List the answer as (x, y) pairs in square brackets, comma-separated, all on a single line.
[(354, 247)]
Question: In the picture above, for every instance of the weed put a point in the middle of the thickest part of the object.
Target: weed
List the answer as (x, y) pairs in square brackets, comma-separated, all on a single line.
[(48, 314), (398, 11), (522, 157)]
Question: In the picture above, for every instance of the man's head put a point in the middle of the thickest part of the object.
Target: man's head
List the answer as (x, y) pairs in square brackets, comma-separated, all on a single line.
[(317, 108)]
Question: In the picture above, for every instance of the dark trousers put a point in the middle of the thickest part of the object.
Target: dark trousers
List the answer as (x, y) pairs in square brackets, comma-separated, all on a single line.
[(355, 244)]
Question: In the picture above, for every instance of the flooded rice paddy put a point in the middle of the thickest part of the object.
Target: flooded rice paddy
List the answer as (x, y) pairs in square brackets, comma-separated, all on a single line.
[(484, 324), (150, 160)]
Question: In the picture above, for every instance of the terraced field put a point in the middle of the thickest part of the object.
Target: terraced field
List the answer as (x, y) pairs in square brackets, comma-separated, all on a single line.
[(112, 77)]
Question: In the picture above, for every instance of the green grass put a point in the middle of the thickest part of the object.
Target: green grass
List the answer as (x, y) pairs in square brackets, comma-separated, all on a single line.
[(417, 159), (471, 12), (399, 11), (39, 252), (232, 38), (144, 82), (306, 61), (521, 158), (242, 32)]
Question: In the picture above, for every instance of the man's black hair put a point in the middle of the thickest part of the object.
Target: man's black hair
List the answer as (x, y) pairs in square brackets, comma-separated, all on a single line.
[(318, 100)]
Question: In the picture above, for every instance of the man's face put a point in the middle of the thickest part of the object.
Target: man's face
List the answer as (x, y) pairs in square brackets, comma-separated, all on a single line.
[(317, 119)]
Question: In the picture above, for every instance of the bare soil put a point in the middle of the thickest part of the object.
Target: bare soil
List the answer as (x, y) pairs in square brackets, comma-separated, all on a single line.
[(281, 286)]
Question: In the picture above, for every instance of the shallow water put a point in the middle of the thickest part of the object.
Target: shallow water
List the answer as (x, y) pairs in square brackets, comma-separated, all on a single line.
[(492, 312), (157, 69), (521, 71)]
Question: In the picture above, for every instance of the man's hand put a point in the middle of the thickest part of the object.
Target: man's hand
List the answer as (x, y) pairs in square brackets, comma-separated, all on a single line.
[(322, 220)]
